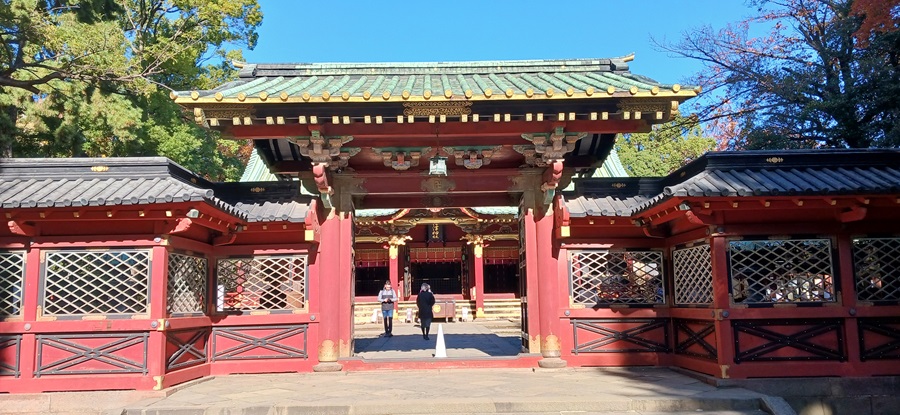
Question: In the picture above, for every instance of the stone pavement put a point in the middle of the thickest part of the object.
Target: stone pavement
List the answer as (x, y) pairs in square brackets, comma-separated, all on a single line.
[(463, 340), (642, 391)]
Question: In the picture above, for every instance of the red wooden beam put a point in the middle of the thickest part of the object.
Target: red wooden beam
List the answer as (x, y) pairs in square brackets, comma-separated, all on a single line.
[(419, 129), (424, 201), (21, 228)]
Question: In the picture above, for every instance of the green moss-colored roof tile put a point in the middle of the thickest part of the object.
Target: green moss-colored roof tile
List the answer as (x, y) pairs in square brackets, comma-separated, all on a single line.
[(539, 84), (242, 87), (336, 86), (410, 83), (357, 85), (525, 79), (376, 84), (557, 83)]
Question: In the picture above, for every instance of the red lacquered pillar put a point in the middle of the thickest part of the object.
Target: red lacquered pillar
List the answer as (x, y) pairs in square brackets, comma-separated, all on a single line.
[(548, 289), (333, 269)]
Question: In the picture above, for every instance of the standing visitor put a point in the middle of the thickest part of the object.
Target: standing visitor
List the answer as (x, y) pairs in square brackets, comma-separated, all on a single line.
[(425, 302), (387, 296)]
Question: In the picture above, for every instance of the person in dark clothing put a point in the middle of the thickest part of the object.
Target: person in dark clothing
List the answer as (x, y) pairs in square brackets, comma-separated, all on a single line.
[(388, 297), (275, 296), (425, 302)]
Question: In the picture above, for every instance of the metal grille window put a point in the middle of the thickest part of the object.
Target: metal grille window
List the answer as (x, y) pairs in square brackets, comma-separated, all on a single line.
[(770, 271), (616, 277), (261, 283), (12, 268), (187, 284), (96, 282), (876, 262), (693, 275)]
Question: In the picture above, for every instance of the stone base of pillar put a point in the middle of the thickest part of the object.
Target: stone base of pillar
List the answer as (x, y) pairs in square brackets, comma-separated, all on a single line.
[(328, 367), (479, 313), (551, 363)]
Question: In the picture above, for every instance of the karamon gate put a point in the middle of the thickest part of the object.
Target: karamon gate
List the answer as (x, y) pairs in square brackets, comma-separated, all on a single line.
[(486, 180)]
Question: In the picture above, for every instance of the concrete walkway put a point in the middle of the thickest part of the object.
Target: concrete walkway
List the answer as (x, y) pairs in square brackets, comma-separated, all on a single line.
[(462, 340), (484, 391), (501, 390)]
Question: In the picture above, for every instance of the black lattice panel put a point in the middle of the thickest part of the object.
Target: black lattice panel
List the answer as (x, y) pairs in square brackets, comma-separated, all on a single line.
[(259, 342), (875, 265), (693, 275), (96, 282), (69, 354), (262, 283), (187, 284), (620, 335), (772, 271), (879, 338), (185, 348), (10, 351), (788, 340), (695, 338), (12, 269), (616, 277)]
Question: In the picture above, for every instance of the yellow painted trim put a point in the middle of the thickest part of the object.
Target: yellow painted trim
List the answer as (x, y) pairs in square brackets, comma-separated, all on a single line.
[(387, 97)]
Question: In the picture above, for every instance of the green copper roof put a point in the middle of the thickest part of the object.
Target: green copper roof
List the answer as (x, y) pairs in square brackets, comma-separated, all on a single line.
[(612, 166), (374, 213), (497, 210), (256, 170), (435, 81)]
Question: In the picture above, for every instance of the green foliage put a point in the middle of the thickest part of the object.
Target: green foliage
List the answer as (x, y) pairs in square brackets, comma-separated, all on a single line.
[(817, 77), (664, 149), (92, 77)]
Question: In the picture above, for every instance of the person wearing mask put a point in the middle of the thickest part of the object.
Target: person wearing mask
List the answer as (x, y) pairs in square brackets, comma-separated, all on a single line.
[(425, 302), (388, 297)]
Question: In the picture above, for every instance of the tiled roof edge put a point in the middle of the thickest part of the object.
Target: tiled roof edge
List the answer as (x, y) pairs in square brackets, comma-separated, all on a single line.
[(252, 68)]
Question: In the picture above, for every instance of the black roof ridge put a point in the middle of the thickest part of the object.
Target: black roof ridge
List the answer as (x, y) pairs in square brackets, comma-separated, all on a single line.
[(108, 167), (755, 173), (252, 192), (617, 186), (758, 159)]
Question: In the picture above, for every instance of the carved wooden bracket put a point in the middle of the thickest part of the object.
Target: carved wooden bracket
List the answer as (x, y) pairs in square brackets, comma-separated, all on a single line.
[(532, 158), (552, 175), (321, 149), (400, 160), (394, 242), (854, 214), (320, 176), (699, 218), (343, 158), (177, 226), (226, 239), (553, 146), (478, 241), (21, 228), (472, 158)]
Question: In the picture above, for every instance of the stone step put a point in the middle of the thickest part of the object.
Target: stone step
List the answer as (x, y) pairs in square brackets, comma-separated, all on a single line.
[(648, 406)]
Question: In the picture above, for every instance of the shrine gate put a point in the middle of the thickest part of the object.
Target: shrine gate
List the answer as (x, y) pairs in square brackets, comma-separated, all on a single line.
[(478, 177)]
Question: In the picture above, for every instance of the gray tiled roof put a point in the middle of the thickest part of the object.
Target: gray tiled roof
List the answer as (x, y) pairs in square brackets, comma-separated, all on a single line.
[(83, 182), (745, 174), (582, 206), (289, 211), (267, 201)]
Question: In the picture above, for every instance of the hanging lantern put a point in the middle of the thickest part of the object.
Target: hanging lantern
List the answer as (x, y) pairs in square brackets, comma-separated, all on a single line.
[(438, 166)]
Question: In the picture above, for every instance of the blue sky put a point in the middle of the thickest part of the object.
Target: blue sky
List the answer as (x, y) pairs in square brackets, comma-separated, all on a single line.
[(454, 30)]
